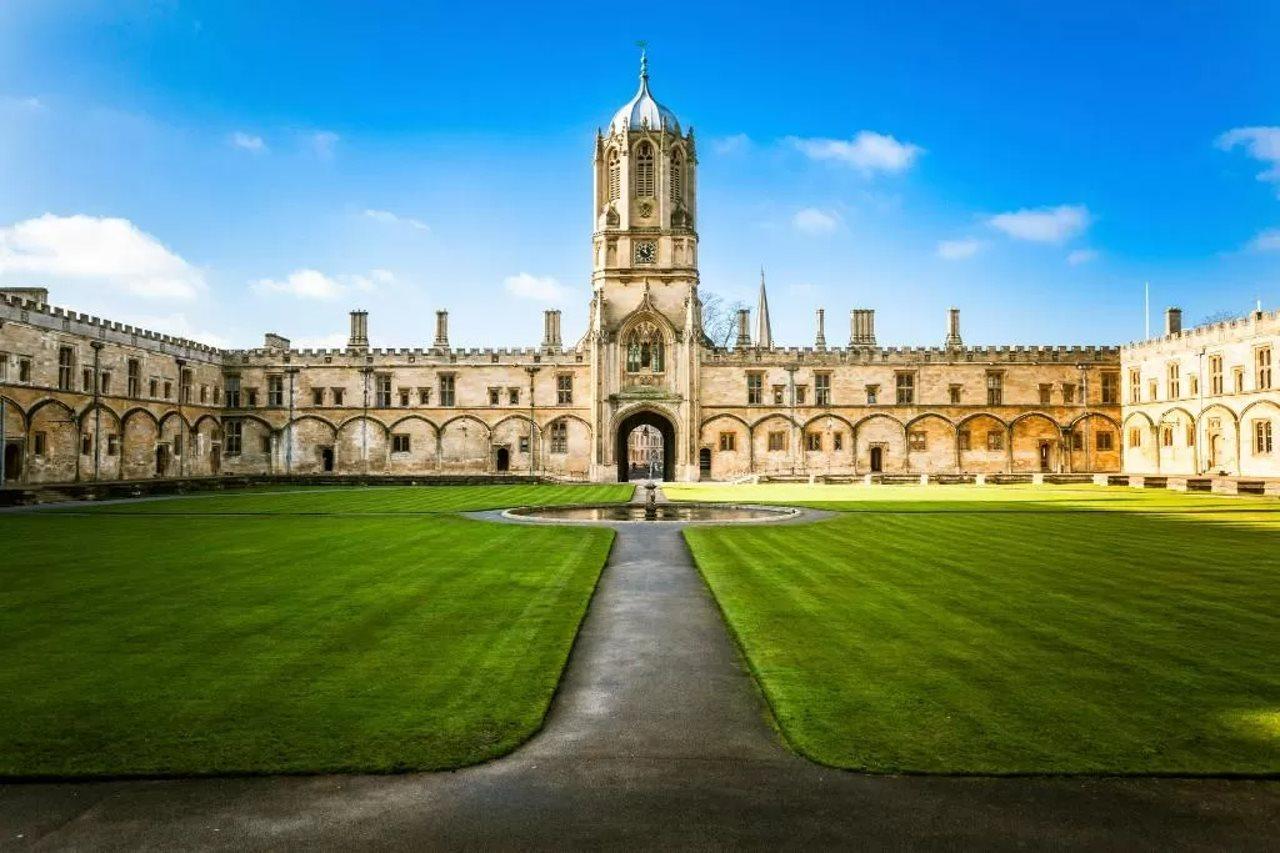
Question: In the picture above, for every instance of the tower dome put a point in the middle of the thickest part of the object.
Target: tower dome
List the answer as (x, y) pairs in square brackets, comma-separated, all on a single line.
[(643, 110)]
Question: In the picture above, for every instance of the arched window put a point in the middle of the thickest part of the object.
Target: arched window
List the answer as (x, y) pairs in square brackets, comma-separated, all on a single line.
[(615, 175), (677, 177), (560, 437), (645, 349), (644, 170)]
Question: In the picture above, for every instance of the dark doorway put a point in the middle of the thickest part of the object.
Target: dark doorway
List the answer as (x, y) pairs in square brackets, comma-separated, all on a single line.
[(326, 459), (877, 460), (12, 461), (1044, 456), (215, 458), (162, 459), (704, 463), (504, 459), (622, 446)]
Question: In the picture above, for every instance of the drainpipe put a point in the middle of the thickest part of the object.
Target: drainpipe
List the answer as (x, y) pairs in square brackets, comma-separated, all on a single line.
[(97, 409), (288, 445), (364, 423), (182, 390)]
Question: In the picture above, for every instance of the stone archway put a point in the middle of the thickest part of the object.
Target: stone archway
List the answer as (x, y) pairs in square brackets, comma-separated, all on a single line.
[(663, 425)]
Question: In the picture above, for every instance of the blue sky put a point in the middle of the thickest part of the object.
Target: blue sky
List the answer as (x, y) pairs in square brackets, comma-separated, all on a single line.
[(221, 169)]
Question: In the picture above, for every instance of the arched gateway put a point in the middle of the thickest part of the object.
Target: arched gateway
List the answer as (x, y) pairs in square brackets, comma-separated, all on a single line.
[(665, 428)]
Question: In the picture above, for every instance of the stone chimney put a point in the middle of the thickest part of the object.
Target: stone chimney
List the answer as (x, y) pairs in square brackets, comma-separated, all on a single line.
[(359, 330), (862, 327), (744, 327), (551, 330), (1172, 321), (820, 340), (39, 295), (954, 340), (273, 341), (442, 330)]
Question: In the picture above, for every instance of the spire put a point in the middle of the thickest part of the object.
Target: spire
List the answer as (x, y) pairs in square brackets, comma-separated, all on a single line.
[(644, 62), (764, 334)]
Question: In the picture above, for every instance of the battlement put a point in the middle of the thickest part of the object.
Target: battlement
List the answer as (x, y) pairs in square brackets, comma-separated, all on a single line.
[(913, 355), (1252, 323), (425, 355)]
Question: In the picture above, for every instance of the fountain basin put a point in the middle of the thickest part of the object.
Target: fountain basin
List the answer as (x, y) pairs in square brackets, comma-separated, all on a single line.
[(687, 513)]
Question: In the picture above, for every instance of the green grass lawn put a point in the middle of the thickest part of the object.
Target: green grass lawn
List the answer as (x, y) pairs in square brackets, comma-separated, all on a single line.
[(200, 643), (1008, 630)]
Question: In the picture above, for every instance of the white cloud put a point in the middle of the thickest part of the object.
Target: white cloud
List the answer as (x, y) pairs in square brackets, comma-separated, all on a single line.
[(813, 221), (536, 288), (248, 142), (389, 218), (958, 250), (110, 251), (868, 151), (1266, 241), (178, 325), (1261, 143), (735, 144), (29, 104), (1043, 224), (323, 143), (1081, 256), (313, 284)]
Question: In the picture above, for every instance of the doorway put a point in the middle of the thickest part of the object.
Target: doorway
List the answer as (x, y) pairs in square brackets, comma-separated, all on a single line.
[(12, 461), (162, 459), (215, 458), (877, 460), (645, 446), (1044, 456), (326, 458), (503, 461), (704, 463)]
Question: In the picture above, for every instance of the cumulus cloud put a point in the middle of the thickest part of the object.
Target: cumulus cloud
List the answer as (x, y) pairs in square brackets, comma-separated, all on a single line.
[(958, 250), (248, 142), (868, 151), (323, 143), (1266, 241), (1260, 143), (735, 144), (388, 218), (813, 221), (1043, 224), (108, 251), (536, 288), (1081, 256), (313, 284)]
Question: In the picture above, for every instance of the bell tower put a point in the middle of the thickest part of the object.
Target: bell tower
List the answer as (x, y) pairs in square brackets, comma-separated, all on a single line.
[(646, 319)]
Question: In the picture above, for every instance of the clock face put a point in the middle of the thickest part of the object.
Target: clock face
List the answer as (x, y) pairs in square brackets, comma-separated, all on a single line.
[(646, 252)]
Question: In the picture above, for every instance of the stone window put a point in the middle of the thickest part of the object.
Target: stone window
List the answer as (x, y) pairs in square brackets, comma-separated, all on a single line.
[(559, 437), (86, 380), (779, 395), (1237, 379), (1153, 390), (66, 364), (495, 396), (837, 441), (86, 444), (995, 388), (822, 389), (275, 391), (204, 393), (873, 393), (1135, 436), (266, 444), (918, 440), (777, 440), (524, 444), (447, 387), (113, 444), (24, 370), (1262, 369), (338, 395), (400, 442), (1166, 436), (232, 434), (755, 389), (382, 390), (1111, 389), (168, 393), (645, 349), (813, 441), (1191, 435), (1262, 436), (728, 441), (1077, 440), (564, 389), (905, 386), (1045, 390), (953, 394), (1135, 385), (106, 382), (184, 385), (1215, 375), (644, 170), (251, 397), (615, 175), (317, 396), (802, 393), (402, 395), (677, 176), (4, 366), (513, 396), (1068, 393), (424, 396), (233, 391), (995, 440), (965, 439), (177, 444), (41, 443), (1105, 440), (1173, 380), (1193, 385)]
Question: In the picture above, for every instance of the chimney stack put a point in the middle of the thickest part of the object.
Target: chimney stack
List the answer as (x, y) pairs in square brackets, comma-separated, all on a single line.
[(273, 341), (862, 327), (1172, 321), (820, 342), (953, 329), (442, 330), (359, 330), (551, 330), (744, 327)]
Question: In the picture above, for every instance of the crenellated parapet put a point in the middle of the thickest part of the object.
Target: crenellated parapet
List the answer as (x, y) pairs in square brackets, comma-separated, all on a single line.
[(1208, 334), (906, 355)]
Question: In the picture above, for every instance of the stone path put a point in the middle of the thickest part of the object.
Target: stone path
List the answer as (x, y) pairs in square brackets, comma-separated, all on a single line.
[(657, 738)]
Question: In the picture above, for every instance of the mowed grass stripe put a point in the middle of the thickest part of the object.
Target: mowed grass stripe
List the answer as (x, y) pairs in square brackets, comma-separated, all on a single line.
[(143, 645), (1111, 642)]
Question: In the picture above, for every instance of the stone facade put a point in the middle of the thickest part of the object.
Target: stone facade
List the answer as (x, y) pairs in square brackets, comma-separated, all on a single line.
[(168, 407), (1204, 400)]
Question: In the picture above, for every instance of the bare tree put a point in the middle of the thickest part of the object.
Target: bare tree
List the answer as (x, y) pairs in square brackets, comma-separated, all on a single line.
[(1218, 317), (719, 318)]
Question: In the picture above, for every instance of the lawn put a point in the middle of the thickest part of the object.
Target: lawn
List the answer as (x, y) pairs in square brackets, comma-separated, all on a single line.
[(140, 643), (1010, 630)]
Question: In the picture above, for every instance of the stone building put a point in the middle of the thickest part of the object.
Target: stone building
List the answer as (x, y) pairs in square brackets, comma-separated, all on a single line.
[(1203, 400), (162, 407)]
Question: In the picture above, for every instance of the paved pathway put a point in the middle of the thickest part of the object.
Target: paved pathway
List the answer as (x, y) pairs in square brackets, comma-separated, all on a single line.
[(657, 738)]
